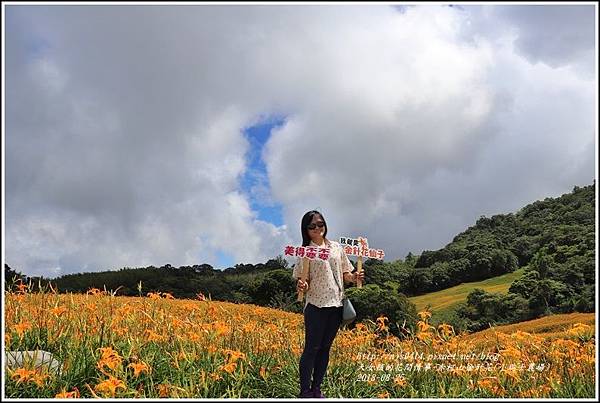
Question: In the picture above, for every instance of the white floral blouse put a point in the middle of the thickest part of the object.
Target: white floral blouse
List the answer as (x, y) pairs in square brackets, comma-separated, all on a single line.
[(323, 290)]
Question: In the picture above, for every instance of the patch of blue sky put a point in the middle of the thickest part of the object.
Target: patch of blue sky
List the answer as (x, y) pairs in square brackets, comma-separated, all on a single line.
[(224, 260), (255, 181), (36, 47)]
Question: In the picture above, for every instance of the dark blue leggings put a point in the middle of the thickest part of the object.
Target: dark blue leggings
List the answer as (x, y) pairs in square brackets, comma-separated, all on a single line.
[(321, 326)]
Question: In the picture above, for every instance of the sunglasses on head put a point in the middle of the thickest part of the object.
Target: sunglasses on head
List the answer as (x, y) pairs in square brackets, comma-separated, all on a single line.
[(320, 224)]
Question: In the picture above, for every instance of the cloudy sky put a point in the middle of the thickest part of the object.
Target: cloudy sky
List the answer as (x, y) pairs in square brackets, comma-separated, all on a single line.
[(148, 134)]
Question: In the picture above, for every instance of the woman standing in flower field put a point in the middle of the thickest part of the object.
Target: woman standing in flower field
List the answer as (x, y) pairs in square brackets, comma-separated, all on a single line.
[(323, 309)]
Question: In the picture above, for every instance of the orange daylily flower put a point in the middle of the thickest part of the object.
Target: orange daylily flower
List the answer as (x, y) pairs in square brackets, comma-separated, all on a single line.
[(22, 375), (424, 315), (68, 395), (59, 310), (229, 367), (110, 386), (110, 358), (139, 367), (22, 327), (400, 381), (22, 287)]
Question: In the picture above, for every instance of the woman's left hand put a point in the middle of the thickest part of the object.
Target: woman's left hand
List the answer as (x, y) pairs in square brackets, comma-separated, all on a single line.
[(360, 276)]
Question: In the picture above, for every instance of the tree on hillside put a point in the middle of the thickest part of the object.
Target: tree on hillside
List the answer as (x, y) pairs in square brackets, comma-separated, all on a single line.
[(410, 259), (273, 284), (372, 301), (525, 284), (483, 309)]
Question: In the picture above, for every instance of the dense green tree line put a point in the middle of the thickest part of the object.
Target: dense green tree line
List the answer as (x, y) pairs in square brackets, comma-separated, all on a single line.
[(553, 239)]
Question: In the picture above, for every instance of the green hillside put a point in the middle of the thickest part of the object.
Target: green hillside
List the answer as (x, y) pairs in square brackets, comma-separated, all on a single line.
[(446, 299)]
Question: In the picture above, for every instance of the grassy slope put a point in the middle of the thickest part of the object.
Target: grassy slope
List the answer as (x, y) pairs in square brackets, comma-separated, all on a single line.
[(446, 299), (549, 327)]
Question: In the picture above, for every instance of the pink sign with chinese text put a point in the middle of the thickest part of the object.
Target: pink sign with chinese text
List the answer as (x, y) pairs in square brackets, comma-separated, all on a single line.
[(360, 247), (309, 252)]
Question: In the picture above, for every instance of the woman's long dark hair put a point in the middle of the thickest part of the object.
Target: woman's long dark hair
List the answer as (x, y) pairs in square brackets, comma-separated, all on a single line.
[(306, 221)]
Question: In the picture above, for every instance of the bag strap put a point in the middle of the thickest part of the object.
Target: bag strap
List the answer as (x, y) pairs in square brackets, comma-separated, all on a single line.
[(338, 284)]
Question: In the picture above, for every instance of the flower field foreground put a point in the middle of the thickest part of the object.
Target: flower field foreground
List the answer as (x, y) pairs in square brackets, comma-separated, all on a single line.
[(157, 346)]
